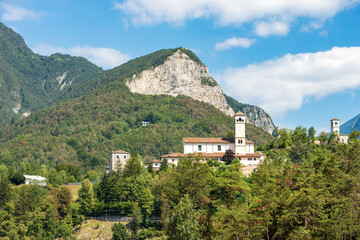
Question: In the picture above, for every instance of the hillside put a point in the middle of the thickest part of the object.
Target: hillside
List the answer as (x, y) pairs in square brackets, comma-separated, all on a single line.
[(350, 125), (179, 74), (85, 130), (29, 82)]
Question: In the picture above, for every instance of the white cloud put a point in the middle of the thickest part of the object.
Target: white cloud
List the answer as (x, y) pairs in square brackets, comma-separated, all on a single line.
[(104, 57), (233, 12), (234, 42), (265, 29), (286, 83), (16, 13)]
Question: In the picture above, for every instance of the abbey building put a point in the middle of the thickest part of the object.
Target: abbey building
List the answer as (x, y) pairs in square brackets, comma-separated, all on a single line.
[(215, 148)]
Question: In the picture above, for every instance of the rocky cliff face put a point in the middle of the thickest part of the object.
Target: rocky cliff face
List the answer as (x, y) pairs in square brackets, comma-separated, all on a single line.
[(259, 118), (254, 114), (180, 75)]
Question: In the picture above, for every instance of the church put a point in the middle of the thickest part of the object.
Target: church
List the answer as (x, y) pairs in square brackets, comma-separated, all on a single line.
[(215, 148)]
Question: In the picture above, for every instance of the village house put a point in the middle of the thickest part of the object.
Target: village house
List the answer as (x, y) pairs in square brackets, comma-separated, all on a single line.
[(155, 164), (35, 180), (215, 148), (117, 159)]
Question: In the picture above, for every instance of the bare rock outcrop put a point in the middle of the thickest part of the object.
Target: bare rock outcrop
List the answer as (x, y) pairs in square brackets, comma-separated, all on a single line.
[(180, 75)]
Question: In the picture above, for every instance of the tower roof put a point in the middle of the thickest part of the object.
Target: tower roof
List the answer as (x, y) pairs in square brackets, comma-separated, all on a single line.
[(335, 119), (240, 114)]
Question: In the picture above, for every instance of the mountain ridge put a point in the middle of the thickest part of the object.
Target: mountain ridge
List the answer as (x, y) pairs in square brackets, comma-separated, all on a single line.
[(349, 126), (34, 82)]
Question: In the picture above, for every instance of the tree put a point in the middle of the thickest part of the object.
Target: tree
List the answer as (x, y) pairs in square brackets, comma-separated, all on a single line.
[(284, 138), (61, 198), (299, 134), (191, 177), (86, 197), (354, 134), (5, 191), (92, 175), (164, 166), (323, 137), (136, 220), (146, 202), (228, 156), (184, 221), (17, 178), (311, 133), (120, 232), (133, 166), (230, 184)]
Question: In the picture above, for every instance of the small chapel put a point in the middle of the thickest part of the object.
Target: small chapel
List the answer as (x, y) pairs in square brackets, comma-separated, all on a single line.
[(215, 148)]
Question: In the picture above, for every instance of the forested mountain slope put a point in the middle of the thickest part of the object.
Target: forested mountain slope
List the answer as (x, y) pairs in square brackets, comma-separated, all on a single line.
[(254, 114), (85, 130), (350, 125), (29, 82)]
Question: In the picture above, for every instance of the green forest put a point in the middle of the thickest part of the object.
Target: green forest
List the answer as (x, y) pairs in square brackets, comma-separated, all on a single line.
[(300, 191), (85, 130)]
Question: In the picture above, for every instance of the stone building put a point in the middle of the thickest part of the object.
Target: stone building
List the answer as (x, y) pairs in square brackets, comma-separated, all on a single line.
[(215, 148)]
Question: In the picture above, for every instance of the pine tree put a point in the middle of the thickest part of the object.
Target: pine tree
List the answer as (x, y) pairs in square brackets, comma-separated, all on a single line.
[(228, 156), (120, 232), (86, 197), (184, 221)]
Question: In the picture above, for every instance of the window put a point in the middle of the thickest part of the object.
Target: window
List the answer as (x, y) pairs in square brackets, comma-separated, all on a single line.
[(173, 160), (124, 157), (250, 159), (239, 141), (199, 148), (254, 158), (219, 148), (155, 164)]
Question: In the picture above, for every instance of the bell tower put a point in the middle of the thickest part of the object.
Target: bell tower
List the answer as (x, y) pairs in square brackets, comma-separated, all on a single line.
[(240, 133), (335, 126)]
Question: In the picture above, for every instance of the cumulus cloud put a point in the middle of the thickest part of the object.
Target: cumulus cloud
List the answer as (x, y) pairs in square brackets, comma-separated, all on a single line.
[(16, 13), (232, 12), (234, 42), (286, 83), (103, 57), (265, 29)]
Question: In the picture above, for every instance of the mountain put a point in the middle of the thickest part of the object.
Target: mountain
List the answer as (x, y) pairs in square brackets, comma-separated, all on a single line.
[(180, 75), (29, 82), (254, 114), (350, 125), (83, 131)]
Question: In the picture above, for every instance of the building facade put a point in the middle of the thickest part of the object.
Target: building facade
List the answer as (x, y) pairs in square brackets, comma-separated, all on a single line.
[(335, 128), (215, 148), (118, 160)]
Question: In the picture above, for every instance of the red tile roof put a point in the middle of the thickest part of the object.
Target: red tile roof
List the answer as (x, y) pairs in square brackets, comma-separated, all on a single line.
[(120, 151), (240, 114), (155, 161), (209, 155), (213, 140), (335, 119), (208, 140)]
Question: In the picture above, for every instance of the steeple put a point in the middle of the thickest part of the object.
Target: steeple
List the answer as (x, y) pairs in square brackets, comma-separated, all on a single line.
[(240, 119), (335, 126)]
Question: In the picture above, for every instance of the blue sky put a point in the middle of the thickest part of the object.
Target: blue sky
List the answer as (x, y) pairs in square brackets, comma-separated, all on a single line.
[(299, 60)]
